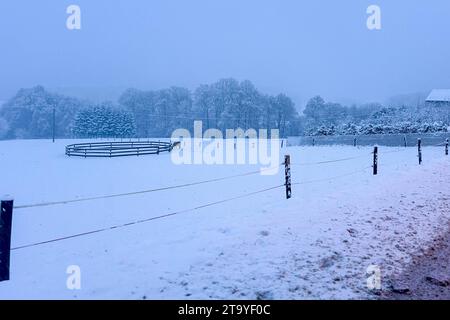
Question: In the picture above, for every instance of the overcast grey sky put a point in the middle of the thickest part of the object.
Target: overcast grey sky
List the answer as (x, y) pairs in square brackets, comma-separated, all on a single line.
[(301, 48)]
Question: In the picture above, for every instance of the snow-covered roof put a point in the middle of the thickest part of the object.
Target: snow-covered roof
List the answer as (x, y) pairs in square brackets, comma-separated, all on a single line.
[(439, 95)]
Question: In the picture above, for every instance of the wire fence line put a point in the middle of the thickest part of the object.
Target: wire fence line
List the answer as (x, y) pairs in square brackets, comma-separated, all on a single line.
[(403, 149), (210, 204), (146, 220), (332, 178), (391, 140), (126, 194), (117, 195), (330, 161), (440, 144)]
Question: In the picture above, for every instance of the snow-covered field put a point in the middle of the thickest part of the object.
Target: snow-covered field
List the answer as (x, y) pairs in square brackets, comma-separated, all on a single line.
[(317, 245)]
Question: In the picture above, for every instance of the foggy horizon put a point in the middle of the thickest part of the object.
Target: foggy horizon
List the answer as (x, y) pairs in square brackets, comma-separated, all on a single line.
[(300, 49)]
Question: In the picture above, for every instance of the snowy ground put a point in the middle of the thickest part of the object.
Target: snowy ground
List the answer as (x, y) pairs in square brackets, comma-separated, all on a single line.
[(317, 245)]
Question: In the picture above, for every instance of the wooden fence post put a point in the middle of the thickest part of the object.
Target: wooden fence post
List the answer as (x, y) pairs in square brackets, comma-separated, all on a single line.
[(419, 150), (375, 160), (404, 141), (6, 211), (313, 142), (287, 175), (446, 147), (354, 142)]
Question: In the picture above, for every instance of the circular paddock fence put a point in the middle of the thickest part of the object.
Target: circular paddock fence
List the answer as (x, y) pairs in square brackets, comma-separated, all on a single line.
[(117, 149)]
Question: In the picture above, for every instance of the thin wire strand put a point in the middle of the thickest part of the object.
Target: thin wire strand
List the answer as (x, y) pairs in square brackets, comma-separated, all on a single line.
[(332, 178), (144, 220), (46, 204), (330, 161)]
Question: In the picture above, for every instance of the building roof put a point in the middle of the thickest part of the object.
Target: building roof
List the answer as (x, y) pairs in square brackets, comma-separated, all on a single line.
[(439, 95)]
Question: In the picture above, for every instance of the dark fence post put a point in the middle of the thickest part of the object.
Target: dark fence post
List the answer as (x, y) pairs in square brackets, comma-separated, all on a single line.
[(6, 211), (375, 160), (446, 147), (405, 142), (354, 142), (419, 149), (287, 174), (54, 124), (313, 142)]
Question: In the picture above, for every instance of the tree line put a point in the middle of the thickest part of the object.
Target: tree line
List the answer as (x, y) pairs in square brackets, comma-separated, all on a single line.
[(225, 104), (329, 119)]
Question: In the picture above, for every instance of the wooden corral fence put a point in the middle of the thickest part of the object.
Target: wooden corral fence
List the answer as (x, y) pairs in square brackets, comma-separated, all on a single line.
[(117, 149)]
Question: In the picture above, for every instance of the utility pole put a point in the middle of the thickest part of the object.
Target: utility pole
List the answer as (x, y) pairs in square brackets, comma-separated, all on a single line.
[(54, 124)]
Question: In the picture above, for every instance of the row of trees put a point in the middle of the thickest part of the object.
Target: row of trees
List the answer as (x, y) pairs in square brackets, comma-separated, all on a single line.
[(158, 113), (319, 113), (29, 114), (230, 104), (225, 104), (382, 120)]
